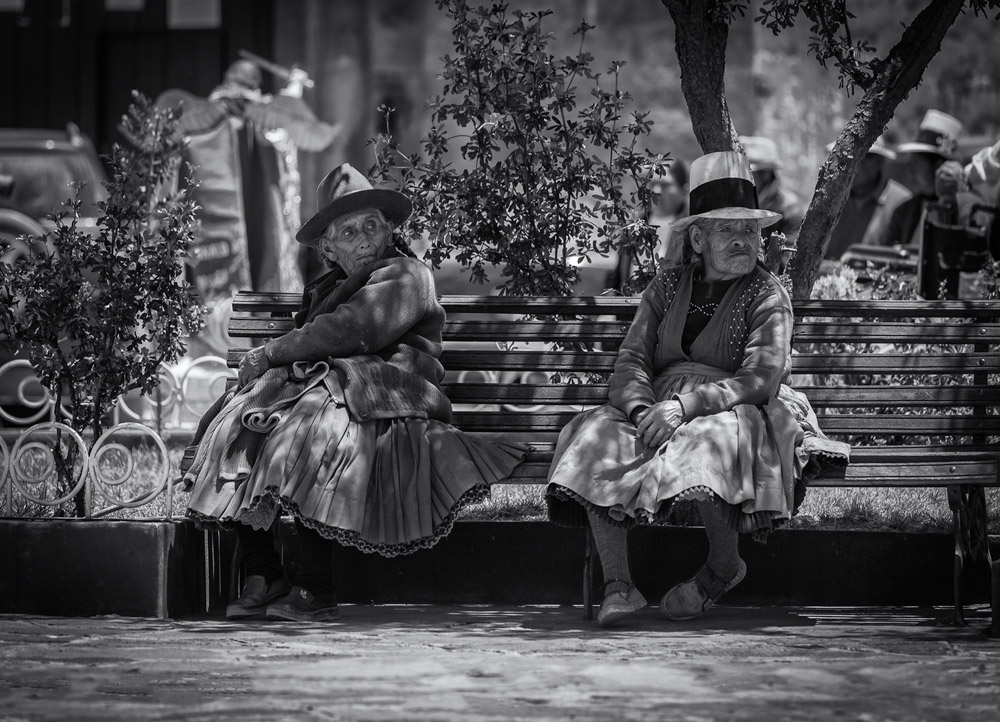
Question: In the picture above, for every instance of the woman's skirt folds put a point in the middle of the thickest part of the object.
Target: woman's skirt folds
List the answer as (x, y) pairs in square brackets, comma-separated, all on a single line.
[(753, 461), (389, 486)]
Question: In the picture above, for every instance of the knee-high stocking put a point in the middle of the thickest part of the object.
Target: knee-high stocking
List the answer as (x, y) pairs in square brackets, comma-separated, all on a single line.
[(723, 546), (612, 547)]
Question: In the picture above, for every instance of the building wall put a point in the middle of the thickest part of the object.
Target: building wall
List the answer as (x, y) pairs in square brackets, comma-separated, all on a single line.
[(78, 61)]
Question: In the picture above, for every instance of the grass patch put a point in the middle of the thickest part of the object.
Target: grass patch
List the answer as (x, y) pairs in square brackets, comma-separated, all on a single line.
[(912, 510), (509, 502)]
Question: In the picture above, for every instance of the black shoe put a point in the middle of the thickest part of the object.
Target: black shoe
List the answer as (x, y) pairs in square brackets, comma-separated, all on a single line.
[(301, 605), (257, 594)]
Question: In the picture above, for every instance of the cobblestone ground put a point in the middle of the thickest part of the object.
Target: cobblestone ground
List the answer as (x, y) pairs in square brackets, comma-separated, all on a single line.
[(488, 663)]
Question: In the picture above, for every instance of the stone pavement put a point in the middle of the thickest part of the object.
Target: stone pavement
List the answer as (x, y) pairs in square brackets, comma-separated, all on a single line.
[(514, 663)]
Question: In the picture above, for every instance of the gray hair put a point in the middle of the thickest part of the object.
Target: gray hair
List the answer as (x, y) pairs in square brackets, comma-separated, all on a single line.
[(683, 229)]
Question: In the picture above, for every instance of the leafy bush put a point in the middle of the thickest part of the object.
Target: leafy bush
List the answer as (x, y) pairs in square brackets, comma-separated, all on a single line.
[(98, 314), (543, 183)]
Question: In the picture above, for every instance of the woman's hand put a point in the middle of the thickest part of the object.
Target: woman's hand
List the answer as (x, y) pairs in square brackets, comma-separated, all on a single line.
[(658, 423), (252, 366)]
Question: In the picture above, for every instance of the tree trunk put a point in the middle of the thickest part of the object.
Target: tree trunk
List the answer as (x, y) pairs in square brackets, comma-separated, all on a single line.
[(900, 73), (701, 34)]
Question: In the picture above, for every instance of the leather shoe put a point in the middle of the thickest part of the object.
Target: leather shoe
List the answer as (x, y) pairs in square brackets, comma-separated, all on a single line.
[(690, 599), (256, 595), (618, 604), (301, 605)]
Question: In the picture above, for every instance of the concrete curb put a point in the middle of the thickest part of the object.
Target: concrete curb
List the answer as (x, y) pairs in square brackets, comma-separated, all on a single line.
[(156, 568)]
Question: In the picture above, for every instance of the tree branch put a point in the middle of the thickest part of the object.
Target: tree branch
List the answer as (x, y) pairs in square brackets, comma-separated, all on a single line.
[(897, 75)]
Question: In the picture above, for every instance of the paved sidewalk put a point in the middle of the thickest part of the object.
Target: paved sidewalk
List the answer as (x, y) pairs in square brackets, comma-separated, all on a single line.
[(488, 663)]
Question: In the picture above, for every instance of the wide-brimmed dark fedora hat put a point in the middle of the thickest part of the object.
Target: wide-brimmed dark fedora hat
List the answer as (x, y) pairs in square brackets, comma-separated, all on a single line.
[(721, 186), (345, 190), (938, 134)]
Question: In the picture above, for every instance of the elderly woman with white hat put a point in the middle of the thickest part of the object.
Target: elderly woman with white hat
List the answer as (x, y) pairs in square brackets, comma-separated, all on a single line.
[(341, 422), (698, 409)]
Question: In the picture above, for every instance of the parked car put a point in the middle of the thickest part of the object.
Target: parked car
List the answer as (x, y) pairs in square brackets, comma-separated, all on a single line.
[(37, 170)]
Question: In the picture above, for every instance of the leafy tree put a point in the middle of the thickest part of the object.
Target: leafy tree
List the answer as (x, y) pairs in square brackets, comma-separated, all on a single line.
[(546, 180), (98, 314), (884, 82)]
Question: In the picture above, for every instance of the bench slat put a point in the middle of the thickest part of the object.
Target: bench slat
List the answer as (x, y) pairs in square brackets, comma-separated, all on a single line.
[(603, 361), (856, 474), (251, 301), (553, 420), (819, 396)]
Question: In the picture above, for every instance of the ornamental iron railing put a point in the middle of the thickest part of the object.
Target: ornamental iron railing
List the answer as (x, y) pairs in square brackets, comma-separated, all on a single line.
[(47, 469)]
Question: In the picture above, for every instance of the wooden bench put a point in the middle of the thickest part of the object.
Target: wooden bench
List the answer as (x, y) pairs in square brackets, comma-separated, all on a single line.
[(913, 386)]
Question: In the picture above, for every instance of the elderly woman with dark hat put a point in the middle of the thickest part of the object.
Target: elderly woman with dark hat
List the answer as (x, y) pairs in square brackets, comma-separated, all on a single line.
[(698, 407), (341, 422)]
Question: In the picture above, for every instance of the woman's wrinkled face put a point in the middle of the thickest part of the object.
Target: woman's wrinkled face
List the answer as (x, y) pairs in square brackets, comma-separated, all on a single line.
[(728, 248), (356, 239)]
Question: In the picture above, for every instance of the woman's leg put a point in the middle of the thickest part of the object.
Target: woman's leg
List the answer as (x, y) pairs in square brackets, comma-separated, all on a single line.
[(264, 580), (612, 548), (621, 598), (316, 570), (311, 598), (721, 571), (260, 558), (723, 550)]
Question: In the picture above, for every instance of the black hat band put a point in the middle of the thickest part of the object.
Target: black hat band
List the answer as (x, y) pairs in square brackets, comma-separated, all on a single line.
[(723, 193)]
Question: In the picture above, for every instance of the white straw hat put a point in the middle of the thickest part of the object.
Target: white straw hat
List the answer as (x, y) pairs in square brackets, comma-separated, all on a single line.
[(938, 134), (722, 187)]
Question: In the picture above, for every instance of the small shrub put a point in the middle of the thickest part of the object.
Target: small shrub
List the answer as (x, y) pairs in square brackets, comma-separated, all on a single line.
[(98, 314), (547, 181)]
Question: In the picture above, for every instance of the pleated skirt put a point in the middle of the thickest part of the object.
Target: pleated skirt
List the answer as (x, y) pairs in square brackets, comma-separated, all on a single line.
[(387, 486), (753, 462)]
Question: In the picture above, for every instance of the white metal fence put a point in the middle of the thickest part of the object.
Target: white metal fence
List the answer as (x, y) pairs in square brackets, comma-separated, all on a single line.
[(47, 469)]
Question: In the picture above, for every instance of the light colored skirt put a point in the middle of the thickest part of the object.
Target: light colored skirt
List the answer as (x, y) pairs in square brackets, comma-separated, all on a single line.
[(389, 486), (753, 461)]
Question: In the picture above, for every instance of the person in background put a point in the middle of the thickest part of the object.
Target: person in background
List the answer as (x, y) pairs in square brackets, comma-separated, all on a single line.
[(668, 203), (698, 407), (765, 163), (873, 198), (983, 175), (935, 145)]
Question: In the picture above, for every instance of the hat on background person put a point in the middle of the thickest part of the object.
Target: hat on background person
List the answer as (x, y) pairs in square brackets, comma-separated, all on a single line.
[(345, 190), (879, 147), (761, 152), (938, 134), (721, 186)]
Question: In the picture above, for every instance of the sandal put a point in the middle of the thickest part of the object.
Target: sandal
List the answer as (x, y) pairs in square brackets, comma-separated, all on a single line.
[(617, 604), (690, 599)]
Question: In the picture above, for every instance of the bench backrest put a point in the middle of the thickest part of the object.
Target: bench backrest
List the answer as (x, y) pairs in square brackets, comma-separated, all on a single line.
[(877, 372)]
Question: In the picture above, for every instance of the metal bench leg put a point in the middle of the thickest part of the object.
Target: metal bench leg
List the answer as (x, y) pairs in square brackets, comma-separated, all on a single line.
[(956, 502), (207, 568), (995, 599), (588, 576), (236, 573)]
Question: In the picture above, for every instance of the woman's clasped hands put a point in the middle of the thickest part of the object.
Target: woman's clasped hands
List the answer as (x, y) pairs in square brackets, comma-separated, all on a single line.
[(657, 423)]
